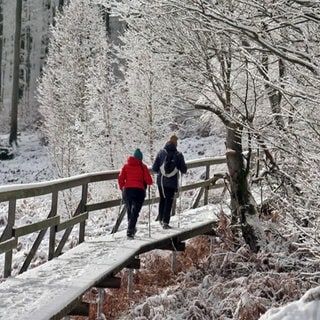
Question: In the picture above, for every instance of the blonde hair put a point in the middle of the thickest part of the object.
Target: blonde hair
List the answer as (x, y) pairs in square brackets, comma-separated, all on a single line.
[(173, 139)]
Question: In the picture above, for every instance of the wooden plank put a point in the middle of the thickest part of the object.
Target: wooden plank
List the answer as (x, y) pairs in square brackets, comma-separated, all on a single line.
[(41, 235), (41, 188), (205, 162), (34, 227), (90, 264), (109, 282), (174, 245), (117, 202), (134, 264), (7, 234), (217, 186), (7, 264), (206, 192), (196, 185), (33, 251), (63, 241), (102, 205), (13, 192), (68, 226), (119, 219), (82, 226), (73, 221), (69, 309), (81, 310), (195, 202), (8, 245), (53, 213)]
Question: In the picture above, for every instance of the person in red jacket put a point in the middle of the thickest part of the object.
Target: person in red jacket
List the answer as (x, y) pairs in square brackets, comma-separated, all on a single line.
[(133, 179)]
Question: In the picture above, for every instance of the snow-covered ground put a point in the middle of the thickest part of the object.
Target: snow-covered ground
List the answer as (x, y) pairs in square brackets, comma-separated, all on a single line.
[(31, 164)]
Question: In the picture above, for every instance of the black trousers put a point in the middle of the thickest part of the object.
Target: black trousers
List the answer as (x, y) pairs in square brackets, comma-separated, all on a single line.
[(165, 204), (133, 199)]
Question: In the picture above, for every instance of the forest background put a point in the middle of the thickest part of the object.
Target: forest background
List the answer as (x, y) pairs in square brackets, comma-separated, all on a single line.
[(183, 66)]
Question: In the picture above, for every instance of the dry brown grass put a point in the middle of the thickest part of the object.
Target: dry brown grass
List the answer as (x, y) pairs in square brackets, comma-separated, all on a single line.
[(238, 283), (155, 274)]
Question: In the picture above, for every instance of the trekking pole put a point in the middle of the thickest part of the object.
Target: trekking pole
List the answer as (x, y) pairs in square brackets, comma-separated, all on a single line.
[(113, 231), (149, 211)]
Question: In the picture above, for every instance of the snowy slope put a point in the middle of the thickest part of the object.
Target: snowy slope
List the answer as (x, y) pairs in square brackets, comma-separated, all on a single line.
[(31, 164)]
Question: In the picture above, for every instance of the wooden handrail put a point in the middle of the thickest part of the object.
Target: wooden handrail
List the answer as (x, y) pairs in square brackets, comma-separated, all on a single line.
[(12, 193)]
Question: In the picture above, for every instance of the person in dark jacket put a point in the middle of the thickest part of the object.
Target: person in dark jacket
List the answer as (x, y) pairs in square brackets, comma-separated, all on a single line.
[(168, 185), (133, 179)]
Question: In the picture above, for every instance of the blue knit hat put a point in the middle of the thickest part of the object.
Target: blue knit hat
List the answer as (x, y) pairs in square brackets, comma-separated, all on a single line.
[(138, 154)]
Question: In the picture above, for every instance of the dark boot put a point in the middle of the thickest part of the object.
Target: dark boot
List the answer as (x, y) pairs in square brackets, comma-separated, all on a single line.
[(130, 234)]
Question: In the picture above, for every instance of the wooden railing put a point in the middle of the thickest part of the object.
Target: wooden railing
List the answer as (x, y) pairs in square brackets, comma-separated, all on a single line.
[(12, 193)]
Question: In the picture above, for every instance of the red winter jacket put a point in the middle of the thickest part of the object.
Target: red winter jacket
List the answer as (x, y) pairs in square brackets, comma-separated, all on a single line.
[(133, 174)]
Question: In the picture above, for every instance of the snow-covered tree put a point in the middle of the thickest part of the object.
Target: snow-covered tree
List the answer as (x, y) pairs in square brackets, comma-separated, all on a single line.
[(143, 97), (73, 92), (202, 63), (36, 16), (252, 66)]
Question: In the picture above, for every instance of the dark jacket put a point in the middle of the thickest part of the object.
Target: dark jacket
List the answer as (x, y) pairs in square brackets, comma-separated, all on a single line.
[(171, 182)]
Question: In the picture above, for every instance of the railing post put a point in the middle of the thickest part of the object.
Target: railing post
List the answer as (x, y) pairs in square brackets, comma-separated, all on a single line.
[(7, 234), (55, 187), (206, 191), (174, 261), (130, 281), (52, 239), (83, 202), (100, 304)]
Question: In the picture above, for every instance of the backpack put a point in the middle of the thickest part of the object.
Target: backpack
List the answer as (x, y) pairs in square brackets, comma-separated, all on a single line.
[(169, 166)]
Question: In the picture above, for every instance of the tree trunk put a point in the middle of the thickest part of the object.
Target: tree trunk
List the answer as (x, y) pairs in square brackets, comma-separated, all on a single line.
[(1, 42), (273, 94), (60, 6), (243, 208), (15, 87)]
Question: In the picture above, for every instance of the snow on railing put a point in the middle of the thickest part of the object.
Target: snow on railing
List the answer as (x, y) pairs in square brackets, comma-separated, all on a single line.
[(10, 195)]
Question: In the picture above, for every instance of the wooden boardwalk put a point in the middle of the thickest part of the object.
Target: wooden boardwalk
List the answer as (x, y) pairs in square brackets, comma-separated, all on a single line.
[(54, 289)]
